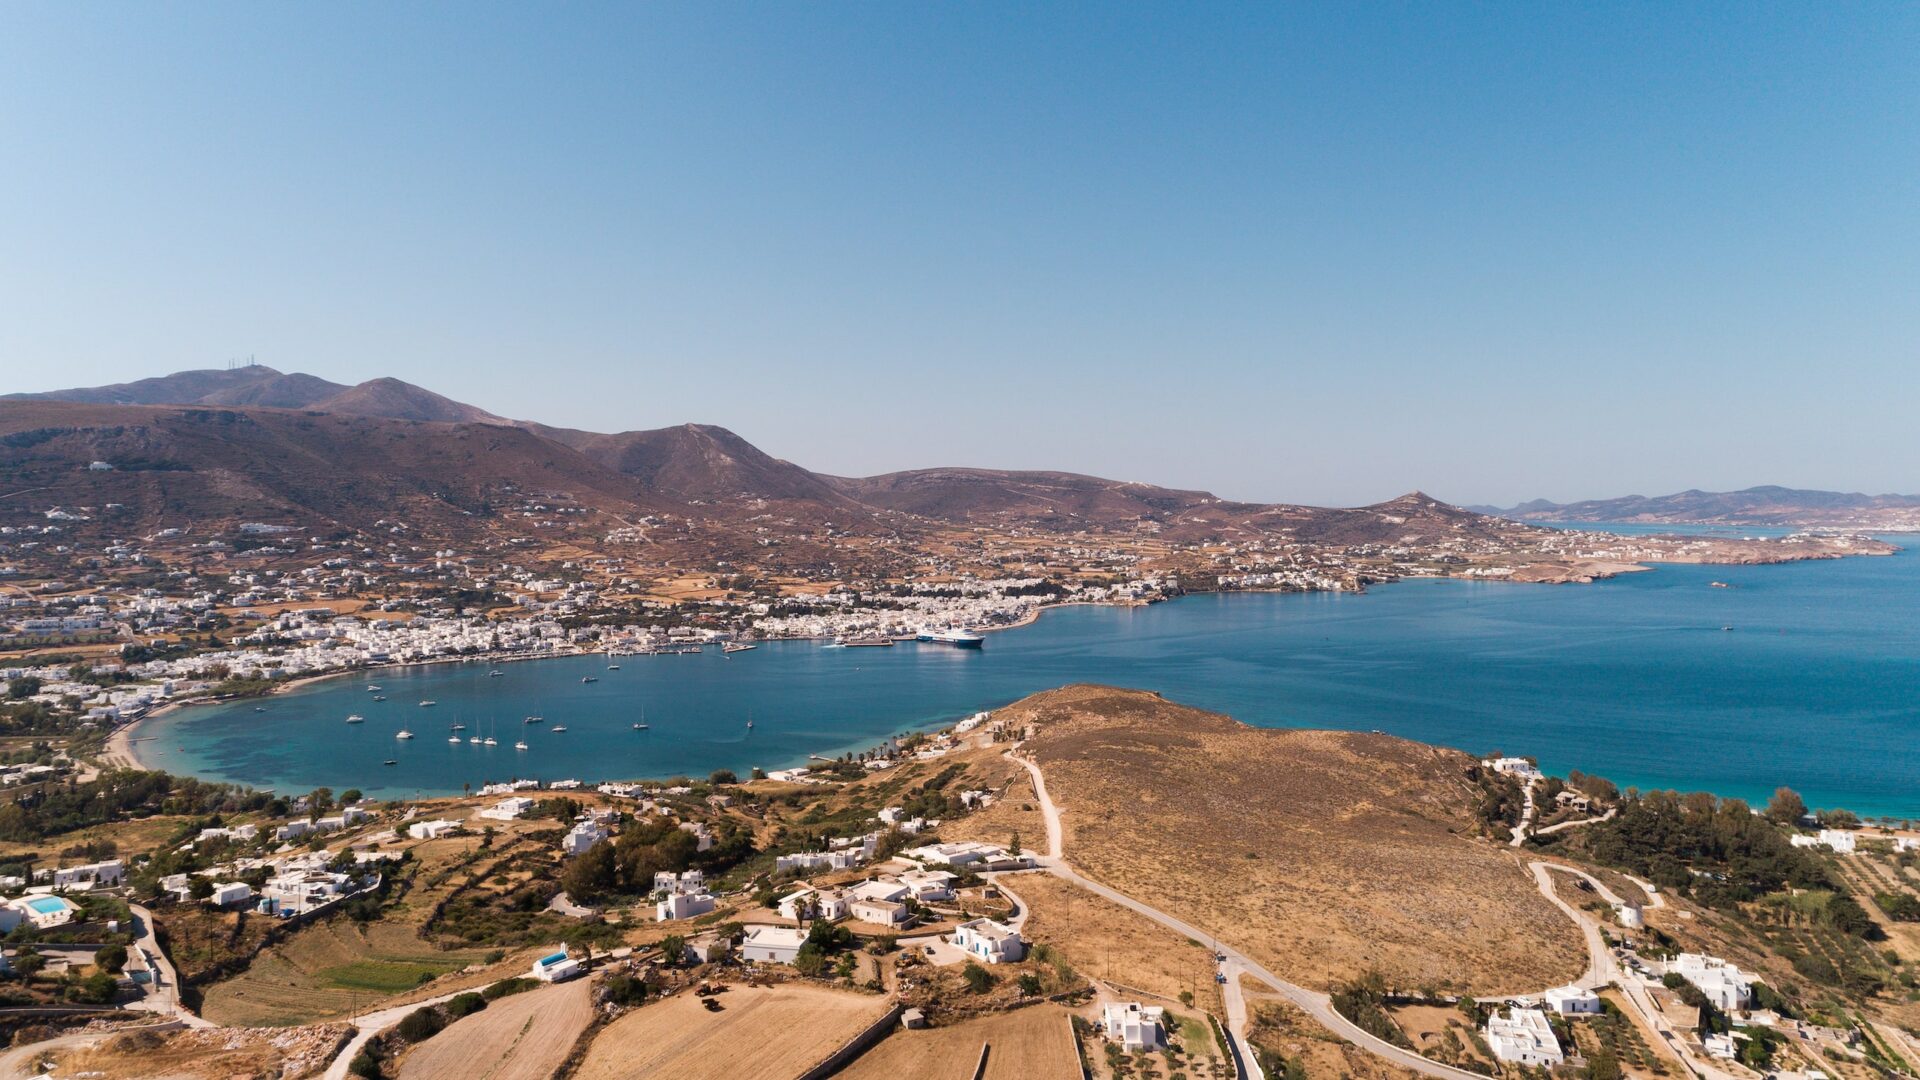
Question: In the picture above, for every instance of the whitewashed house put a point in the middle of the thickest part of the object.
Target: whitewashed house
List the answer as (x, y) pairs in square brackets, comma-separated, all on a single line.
[(1725, 985), (555, 967), (683, 905), (993, 942), (1134, 1026), (1524, 1037), (1571, 1000), (772, 944)]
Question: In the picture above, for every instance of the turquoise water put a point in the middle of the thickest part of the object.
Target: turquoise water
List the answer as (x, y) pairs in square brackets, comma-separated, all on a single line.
[(1816, 686)]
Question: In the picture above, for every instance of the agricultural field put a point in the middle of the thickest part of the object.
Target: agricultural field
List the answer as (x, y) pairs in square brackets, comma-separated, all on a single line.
[(522, 1037), (1322, 854), (1027, 1044), (331, 969), (760, 1033)]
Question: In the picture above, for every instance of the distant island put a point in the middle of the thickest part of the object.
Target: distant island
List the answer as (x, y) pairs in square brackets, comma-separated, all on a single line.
[(1768, 506)]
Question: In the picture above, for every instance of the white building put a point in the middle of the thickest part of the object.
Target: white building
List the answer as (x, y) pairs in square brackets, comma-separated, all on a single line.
[(928, 885), (1724, 984), (41, 910), (556, 967), (991, 941), (772, 944), (1513, 766), (584, 835), (229, 893), (1571, 1001), (1523, 1037), (1134, 1026), (431, 830), (507, 809), (690, 881), (879, 912), (683, 905), (100, 875)]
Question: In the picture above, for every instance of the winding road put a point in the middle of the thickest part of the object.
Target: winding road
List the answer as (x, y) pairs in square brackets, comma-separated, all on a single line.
[(1315, 1004)]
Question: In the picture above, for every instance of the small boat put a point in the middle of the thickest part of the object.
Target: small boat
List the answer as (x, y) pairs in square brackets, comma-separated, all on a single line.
[(490, 741), (495, 673), (455, 739), (456, 727), (521, 745), (588, 678), (428, 703), (403, 733), (558, 728), (373, 689), (474, 739), (613, 667), (379, 697), (356, 718), (535, 720), (259, 708), (389, 761)]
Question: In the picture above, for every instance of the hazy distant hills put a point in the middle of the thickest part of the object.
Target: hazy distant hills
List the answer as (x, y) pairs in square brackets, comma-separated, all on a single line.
[(251, 442), (1763, 506)]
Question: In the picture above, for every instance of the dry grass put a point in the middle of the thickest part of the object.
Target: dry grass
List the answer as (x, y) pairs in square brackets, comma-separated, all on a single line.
[(1276, 1026), (1115, 945), (770, 1033), (207, 1054), (1322, 854), (523, 1037), (1026, 1044)]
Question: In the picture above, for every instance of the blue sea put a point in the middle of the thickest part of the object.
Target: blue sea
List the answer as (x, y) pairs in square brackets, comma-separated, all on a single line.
[(1805, 674)]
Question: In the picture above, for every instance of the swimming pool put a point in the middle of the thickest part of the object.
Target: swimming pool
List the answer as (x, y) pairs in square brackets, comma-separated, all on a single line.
[(47, 905)]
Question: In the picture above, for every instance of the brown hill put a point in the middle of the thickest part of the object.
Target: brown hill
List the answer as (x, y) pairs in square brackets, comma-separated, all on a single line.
[(713, 467), (209, 386), (403, 401), (1067, 499), (1322, 853), (699, 462), (184, 464)]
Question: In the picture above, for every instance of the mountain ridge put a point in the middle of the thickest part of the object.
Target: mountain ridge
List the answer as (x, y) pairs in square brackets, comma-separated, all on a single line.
[(1761, 506)]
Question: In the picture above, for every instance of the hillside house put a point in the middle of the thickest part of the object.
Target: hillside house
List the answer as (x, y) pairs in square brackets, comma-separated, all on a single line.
[(1134, 1026), (772, 944), (993, 942), (1571, 1001), (683, 905), (1725, 985), (1524, 1037)]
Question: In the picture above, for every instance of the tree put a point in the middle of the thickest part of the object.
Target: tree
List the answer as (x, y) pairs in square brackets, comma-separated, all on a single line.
[(979, 979), (351, 795), (1013, 844), (591, 875), (199, 887), (673, 949), (1029, 983), (1602, 1065), (1786, 806), (111, 958), (810, 961), (722, 776)]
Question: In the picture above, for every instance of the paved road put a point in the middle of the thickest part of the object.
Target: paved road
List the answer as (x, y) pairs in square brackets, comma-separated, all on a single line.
[(1314, 1004), (1604, 967), (163, 992)]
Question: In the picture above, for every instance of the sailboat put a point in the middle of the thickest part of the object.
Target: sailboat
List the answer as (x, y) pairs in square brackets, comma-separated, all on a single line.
[(749, 721), (558, 728), (403, 733), (490, 740), (642, 725)]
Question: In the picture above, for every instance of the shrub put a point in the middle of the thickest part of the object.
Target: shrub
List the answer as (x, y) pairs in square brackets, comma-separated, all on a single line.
[(979, 979), (508, 986), (464, 1005), (111, 958), (420, 1025), (365, 1066)]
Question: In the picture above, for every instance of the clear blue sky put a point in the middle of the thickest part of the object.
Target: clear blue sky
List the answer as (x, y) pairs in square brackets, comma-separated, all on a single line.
[(1321, 253)]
